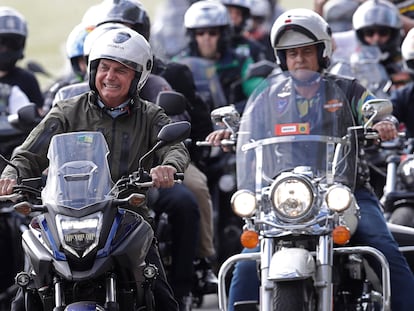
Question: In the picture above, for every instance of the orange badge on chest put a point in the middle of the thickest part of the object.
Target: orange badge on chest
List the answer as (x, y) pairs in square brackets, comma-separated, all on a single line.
[(292, 129), (333, 105)]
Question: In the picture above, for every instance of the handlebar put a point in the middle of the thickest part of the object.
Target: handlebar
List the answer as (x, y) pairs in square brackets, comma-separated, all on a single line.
[(223, 143), (142, 180), (14, 197)]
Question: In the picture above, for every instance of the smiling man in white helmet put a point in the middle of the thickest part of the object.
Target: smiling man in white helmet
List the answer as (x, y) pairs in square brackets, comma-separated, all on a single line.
[(119, 64)]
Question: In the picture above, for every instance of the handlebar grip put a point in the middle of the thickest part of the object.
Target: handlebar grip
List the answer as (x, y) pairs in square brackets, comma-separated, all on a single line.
[(203, 144)]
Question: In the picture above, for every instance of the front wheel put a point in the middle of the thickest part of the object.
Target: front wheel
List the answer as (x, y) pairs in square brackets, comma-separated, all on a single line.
[(294, 296)]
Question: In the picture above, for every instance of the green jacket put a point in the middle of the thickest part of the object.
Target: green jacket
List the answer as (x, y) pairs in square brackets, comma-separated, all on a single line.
[(128, 136)]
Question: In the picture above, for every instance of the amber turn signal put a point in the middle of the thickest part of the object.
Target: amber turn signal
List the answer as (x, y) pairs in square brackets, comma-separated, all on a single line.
[(249, 239), (341, 235)]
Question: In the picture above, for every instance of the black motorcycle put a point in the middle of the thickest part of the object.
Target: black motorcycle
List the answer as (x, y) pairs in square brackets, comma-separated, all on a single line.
[(85, 246)]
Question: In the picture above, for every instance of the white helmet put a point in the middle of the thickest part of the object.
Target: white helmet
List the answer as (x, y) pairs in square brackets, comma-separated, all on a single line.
[(96, 33), (338, 14), (260, 8), (206, 13), (301, 27), (127, 47), (243, 4), (407, 51)]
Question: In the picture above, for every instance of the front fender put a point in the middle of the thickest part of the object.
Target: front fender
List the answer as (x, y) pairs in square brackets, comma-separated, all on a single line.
[(291, 264)]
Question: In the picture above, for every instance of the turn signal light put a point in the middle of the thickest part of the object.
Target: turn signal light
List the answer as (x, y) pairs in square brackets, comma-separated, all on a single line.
[(136, 199), (341, 235), (249, 239)]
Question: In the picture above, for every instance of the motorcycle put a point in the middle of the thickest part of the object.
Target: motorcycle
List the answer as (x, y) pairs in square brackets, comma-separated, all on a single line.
[(85, 245), (398, 196), (295, 183)]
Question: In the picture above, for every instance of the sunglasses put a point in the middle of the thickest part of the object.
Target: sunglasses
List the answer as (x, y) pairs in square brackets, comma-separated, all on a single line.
[(382, 32), (210, 32)]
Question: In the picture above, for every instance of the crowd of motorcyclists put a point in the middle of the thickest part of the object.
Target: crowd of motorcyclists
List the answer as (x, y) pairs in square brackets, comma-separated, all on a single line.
[(112, 90)]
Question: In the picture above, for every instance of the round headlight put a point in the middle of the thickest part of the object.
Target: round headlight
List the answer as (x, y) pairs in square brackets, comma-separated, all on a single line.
[(292, 197), (406, 171), (338, 198), (243, 203)]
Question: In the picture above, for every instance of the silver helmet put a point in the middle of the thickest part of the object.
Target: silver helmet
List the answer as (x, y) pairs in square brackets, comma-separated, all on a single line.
[(206, 13)]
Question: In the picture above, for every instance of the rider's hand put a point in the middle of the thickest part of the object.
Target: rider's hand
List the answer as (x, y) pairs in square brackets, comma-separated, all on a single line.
[(215, 138), (6, 185), (386, 130), (163, 176)]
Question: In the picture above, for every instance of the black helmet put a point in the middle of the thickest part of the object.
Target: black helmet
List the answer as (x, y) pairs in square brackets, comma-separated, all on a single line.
[(129, 12), (13, 33)]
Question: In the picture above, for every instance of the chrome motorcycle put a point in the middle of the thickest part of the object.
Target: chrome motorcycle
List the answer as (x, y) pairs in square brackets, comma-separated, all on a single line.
[(295, 181), (86, 246)]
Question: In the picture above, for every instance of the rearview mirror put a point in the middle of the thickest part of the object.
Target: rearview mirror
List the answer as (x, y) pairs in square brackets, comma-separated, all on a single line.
[(376, 109)]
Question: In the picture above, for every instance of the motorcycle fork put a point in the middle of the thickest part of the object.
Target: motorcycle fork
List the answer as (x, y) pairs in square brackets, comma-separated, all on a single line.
[(111, 288), (323, 274)]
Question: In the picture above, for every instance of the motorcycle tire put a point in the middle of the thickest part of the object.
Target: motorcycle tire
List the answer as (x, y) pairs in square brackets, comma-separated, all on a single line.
[(294, 296)]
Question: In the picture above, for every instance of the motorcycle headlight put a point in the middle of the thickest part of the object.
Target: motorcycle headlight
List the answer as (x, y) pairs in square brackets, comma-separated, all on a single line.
[(406, 171), (338, 198), (292, 197), (79, 236), (243, 203)]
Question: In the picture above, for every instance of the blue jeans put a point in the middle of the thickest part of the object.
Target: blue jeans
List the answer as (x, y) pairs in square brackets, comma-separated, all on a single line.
[(372, 230)]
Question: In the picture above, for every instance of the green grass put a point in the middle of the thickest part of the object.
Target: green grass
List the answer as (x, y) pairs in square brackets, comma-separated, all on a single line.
[(50, 22)]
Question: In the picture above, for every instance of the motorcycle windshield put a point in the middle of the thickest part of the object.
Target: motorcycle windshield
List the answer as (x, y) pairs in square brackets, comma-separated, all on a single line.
[(296, 120), (206, 80), (78, 173)]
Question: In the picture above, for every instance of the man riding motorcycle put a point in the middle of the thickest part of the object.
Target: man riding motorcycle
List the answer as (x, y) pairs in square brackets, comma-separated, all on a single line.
[(302, 43)]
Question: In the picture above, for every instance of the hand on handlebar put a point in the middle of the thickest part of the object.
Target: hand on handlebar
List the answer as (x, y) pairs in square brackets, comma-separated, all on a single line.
[(6, 185), (386, 130), (163, 176), (217, 137)]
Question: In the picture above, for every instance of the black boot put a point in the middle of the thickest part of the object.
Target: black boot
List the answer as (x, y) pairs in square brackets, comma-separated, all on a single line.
[(185, 303), (208, 281)]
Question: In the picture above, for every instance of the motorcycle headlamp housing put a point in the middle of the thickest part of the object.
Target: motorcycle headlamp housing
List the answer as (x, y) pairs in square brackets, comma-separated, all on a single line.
[(292, 197), (339, 198), (406, 171), (79, 236), (243, 203)]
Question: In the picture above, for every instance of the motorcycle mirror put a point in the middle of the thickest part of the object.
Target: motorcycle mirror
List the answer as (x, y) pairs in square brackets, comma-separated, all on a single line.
[(37, 68), (226, 116), (25, 118), (173, 133), (376, 109), (170, 134), (172, 102)]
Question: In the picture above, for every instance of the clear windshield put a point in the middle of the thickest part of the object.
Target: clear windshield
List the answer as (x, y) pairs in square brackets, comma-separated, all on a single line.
[(78, 173), (289, 123), (206, 80)]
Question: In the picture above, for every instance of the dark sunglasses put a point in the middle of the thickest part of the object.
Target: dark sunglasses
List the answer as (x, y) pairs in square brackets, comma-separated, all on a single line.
[(382, 32), (210, 32)]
